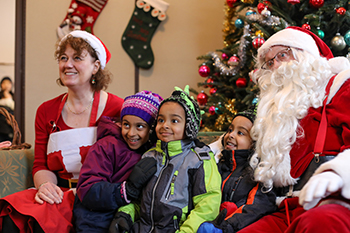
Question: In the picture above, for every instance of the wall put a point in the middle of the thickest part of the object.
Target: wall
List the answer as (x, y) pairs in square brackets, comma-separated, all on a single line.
[(7, 38), (192, 28)]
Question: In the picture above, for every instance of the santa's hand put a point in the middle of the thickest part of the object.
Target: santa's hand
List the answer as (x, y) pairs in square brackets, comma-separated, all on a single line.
[(319, 186), (50, 193)]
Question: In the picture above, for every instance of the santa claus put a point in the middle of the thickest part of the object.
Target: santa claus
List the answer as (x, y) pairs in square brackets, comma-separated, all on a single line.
[(302, 133)]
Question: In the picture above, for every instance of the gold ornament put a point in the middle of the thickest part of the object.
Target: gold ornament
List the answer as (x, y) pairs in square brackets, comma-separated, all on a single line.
[(248, 1), (259, 33), (219, 122), (231, 106), (229, 118)]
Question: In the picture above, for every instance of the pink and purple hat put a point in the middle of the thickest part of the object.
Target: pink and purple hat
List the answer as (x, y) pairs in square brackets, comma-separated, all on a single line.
[(143, 104)]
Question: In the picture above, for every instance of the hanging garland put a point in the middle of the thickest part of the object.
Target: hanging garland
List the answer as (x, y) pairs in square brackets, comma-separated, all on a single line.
[(270, 21)]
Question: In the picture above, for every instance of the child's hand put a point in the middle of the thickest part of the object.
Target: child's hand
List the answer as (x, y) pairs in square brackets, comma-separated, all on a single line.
[(219, 225), (140, 175), (121, 223)]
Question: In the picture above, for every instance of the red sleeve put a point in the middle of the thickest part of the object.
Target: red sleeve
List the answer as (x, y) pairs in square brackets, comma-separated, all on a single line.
[(45, 113), (338, 113)]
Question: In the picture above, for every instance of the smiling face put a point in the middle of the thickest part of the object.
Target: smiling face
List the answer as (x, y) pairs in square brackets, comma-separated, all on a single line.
[(77, 69), (171, 122), (238, 134), (135, 131), (276, 55)]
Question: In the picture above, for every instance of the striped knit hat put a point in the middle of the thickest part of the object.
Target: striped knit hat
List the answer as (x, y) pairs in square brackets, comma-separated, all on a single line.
[(249, 113), (143, 104), (192, 111)]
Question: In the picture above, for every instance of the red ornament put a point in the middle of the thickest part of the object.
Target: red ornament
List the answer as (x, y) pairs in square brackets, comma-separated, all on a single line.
[(231, 2), (202, 98), (341, 10), (258, 42), (241, 82), (316, 3), (224, 56), (306, 26), (212, 110), (293, 1), (213, 91), (233, 61), (262, 5), (204, 71), (209, 82)]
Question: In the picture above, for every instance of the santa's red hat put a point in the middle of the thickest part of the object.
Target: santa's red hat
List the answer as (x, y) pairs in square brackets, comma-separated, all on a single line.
[(102, 52), (299, 38)]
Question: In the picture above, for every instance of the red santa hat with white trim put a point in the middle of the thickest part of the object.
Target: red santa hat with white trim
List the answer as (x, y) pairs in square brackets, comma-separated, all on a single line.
[(102, 52), (298, 38)]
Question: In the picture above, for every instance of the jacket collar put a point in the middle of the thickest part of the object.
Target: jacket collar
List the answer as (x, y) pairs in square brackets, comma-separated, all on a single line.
[(174, 148)]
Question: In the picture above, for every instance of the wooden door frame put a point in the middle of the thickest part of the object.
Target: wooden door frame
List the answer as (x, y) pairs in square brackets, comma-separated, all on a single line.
[(19, 95)]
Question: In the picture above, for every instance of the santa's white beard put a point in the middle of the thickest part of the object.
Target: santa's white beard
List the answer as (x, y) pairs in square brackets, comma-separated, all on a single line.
[(286, 94)]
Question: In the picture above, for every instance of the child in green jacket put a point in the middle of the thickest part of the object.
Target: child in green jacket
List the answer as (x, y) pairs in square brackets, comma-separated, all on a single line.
[(185, 190)]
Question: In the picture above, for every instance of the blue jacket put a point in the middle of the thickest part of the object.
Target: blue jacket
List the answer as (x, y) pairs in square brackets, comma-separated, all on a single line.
[(107, 164)]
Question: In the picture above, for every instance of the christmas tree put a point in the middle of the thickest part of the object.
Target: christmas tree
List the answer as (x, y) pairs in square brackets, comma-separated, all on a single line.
[(227, 86)]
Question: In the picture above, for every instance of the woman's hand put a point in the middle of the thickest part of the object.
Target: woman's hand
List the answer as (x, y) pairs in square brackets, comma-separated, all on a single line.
[(50, 193)]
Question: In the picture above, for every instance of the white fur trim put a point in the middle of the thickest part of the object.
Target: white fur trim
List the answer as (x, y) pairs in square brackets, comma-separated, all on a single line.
[(158, 4), (340, 165), (216, 147), (338, 82), (95, 43), (291, 38), (339, 64), (335, 201)]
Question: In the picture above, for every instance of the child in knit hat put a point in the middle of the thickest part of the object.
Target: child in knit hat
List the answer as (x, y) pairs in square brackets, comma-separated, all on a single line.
[(243, 200), (104, 183), (237, 136), (185, 190)]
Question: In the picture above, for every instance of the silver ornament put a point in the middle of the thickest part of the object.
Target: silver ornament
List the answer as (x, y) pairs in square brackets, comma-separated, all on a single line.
[(266, 13), (338, 42)]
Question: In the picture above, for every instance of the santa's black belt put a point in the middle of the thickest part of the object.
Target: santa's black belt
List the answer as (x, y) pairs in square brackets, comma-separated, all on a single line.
[(314, 164)]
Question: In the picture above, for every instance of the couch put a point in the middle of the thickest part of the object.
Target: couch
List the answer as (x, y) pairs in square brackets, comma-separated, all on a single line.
[(15, 170), (16, 166)]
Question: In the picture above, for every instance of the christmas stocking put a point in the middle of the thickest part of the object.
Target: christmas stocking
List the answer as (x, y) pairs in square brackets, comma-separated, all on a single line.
[(136, 39), (81, 15)]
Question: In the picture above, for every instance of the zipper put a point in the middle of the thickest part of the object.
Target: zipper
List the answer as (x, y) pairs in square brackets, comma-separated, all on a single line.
[(176, 223), (172, 186), (235, 187), (154, 189)]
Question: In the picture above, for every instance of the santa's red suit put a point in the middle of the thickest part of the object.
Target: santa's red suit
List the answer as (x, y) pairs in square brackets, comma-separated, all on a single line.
[(333, 212)]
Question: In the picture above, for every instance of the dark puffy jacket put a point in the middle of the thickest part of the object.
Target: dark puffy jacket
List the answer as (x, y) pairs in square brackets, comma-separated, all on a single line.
[(183, 193), (107, 164), (238, 187)]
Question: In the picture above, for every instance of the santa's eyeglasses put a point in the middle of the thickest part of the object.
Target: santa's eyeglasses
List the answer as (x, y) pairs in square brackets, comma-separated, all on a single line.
[(282, 56)]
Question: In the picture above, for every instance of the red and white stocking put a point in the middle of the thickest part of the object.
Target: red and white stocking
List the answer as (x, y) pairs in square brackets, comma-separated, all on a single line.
[(81, 15)]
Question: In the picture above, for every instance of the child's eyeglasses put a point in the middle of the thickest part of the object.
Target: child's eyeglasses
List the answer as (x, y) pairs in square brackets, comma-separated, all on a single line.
[(282, 56)]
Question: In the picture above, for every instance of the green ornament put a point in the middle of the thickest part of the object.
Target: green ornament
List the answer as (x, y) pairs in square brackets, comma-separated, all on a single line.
[(347, 38), (320, 33)]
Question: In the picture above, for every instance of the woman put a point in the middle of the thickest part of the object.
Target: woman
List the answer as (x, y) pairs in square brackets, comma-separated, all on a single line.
[(6, 94), (65, 130)]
